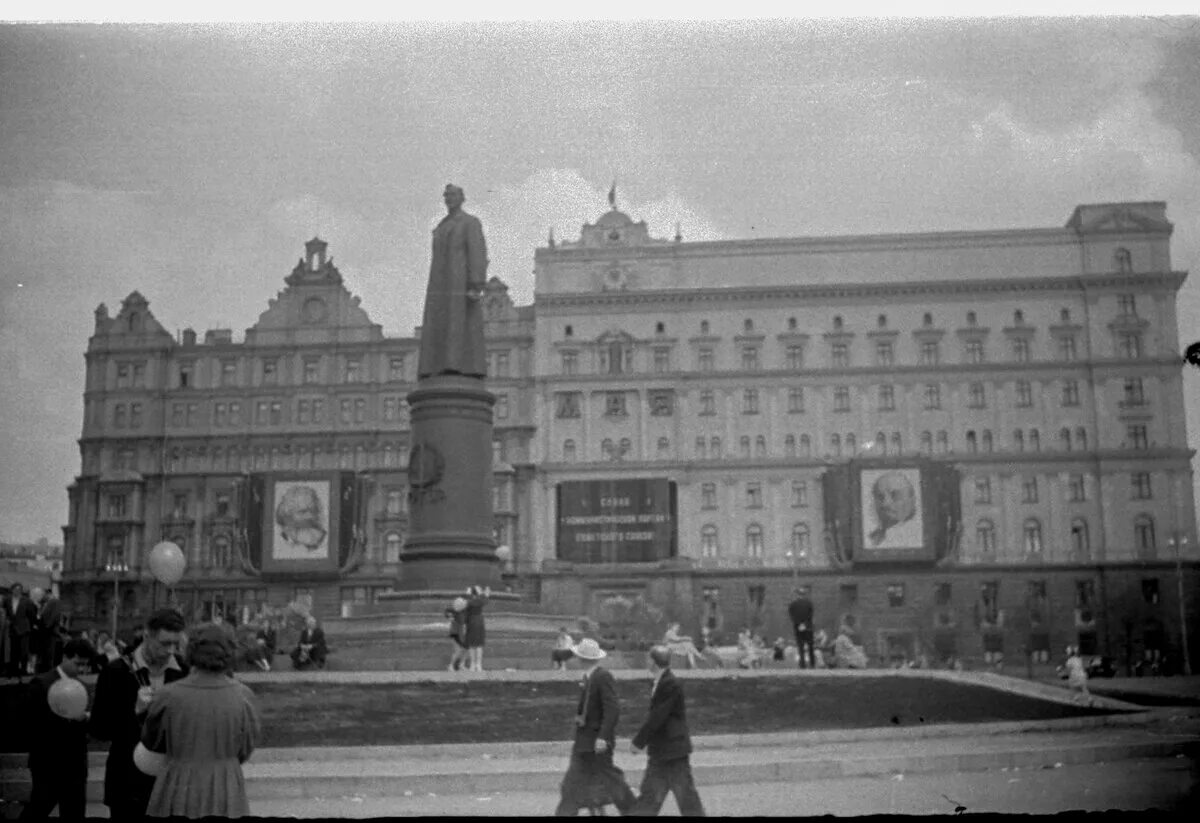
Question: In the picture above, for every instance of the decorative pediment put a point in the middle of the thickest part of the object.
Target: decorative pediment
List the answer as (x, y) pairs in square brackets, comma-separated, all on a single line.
[(497, 304), (1120, 218), (133, 320)]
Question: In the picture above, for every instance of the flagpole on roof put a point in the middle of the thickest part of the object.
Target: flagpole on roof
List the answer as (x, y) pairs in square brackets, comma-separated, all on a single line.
[(612, 195)]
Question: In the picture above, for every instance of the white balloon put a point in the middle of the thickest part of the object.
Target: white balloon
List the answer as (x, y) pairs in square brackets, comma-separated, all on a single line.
[(167, 563), (148, 762)]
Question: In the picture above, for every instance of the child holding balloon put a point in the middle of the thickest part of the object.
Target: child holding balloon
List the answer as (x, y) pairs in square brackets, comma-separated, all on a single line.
[(58, 759)]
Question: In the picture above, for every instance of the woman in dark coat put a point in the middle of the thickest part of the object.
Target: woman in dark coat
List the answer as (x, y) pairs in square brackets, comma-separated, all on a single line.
[(476, 597)]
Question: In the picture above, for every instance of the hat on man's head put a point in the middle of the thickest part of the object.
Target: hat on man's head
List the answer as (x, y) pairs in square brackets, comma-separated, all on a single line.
[(589, 649)]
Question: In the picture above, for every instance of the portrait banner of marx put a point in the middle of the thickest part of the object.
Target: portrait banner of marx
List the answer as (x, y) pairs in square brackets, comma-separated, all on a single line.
[(892, 506), (300, 522)]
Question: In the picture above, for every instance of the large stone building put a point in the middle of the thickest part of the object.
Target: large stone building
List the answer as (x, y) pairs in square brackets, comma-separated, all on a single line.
[(747, 404)]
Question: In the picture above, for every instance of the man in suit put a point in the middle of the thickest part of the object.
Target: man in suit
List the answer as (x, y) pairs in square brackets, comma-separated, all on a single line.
[(22, 621), (666, 740), (58, 758), (311, 649), (49, 636), (800, 611), (592, 779), (124, 690)]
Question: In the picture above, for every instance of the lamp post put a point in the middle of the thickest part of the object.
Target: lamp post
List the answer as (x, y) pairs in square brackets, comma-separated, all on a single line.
[(791, 556), (1177, 543), (117, 567)]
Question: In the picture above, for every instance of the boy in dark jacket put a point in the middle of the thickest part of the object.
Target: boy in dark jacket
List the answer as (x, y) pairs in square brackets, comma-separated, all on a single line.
[(666, 740)]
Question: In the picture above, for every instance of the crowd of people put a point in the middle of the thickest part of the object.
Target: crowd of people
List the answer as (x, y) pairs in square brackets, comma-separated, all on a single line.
[(32, 634)]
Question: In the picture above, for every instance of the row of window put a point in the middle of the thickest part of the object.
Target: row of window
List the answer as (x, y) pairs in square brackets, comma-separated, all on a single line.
[(661, 402)]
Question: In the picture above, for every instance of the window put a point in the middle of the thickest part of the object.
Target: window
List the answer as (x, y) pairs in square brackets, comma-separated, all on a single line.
[(1134, 393), (933, 396), (791, 324), (228, 372), (895, 595), (312, 369), (663, 448), (1143, 536), (983, 490), (1076, 489), (1129, 345), (750, 401), (972, 443), (1140, 486), (1080, 545), (1064, 437), (848, 595), (662, 360), (795, 357), (221, 504), (896, 444), (989, 599), (841, 399), (800, 540), (501, 406), (568, 451), (805, 446), (976, 397), (570, 362), (119, 416), (708, 495), (1150, 591), (835, 445), (705, 359), (881, 321), (1066, 348), (1032, 531), (754, 499), (567, 404), (704, 327), (353, 370), (760, 446), (880, 444), (926, 443), (750, 358), (179, 506), (941, 594), (795, 400), (500, 364), (1020, 348), (701, 448), (396, 368), (744, 446), (930, 353), (748, 325), (613, 357), (1035, 442), (799, 494), (1070, 393), (789, 445), (135, 415), (392, 545), (1036, 601), (887, 397), (985, 537), (346, 410), (614, 404), (1085, 598), (708, 404), (220, 552), (1135, 437), (1123, 261), (851, 445), (662, 403), (708, 541), (883, 353), (714, 447), (1018, 318), (975, 351), (1029, 490), (841, 356), (1081, 437), (1127, 305), (221, 414), (987, 440), (1024, 394), (943, 442), (116, 505), (927, 320), (659, 327), (754, 540)]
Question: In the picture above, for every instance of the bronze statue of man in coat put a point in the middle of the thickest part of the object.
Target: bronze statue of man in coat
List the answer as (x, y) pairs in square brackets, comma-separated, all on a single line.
[(452, 330)]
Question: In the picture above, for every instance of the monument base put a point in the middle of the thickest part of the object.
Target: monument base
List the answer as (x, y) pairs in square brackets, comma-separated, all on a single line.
[(434, 601)]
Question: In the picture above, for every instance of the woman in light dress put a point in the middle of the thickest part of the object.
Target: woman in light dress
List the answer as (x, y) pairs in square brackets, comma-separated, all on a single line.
[(681, 644), (1077, 677)]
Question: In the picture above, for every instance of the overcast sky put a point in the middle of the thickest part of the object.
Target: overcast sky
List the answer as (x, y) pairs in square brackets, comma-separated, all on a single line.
[(191, 163)]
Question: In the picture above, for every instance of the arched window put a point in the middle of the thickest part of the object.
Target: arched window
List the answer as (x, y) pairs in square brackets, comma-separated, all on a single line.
[(800, 541), (626, 448), (896, 444), (1064, 438), (1080, 545), (972, 444), (708, 541), (606, 449), (714, 448), (760, 446), (837, 322), (792, 324), (1143, 537), (943, 442), (391, 548), (987, 440), (701, 448), (1032, 531), (704, 327), (748, 324), (569, 451), (1064, 315), (220, 552), (789, 445), (835, 445), (985, 537), (971, 320), (1018, 317), (754, 540), (1035, 441), (1123, 260), (805, 446), (1081, 439), (927, 319), (616, 357), (880, 443), (851, 445), (926, 443), (1019, 440), (664, 448), (744, 445)]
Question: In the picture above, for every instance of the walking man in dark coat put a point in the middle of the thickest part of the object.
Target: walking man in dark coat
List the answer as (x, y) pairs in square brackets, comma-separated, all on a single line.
[(124, 690), (592, 779), (21, 625), (800, 611), (666, 740), (58, 758)]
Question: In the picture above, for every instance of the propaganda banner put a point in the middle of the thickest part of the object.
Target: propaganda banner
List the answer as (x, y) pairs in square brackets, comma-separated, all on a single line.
[(616, 521)]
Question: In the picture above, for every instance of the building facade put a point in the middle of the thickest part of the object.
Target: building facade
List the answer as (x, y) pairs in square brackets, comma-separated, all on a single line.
[(1023, 385)]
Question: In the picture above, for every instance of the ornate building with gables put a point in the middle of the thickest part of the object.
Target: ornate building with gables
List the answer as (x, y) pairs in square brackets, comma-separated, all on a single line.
[(965, 443)]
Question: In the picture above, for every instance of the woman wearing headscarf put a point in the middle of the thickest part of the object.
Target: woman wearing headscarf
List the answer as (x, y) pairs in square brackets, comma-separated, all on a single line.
[(476, 597), (202, 729)]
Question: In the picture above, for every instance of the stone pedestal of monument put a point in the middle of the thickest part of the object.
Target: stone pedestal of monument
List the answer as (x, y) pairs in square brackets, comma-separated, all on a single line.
[(449, 544)]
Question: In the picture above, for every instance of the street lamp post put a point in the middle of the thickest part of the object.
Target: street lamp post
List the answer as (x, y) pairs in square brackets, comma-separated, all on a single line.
[(791, 556), (1178, 542), (117, 567)]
